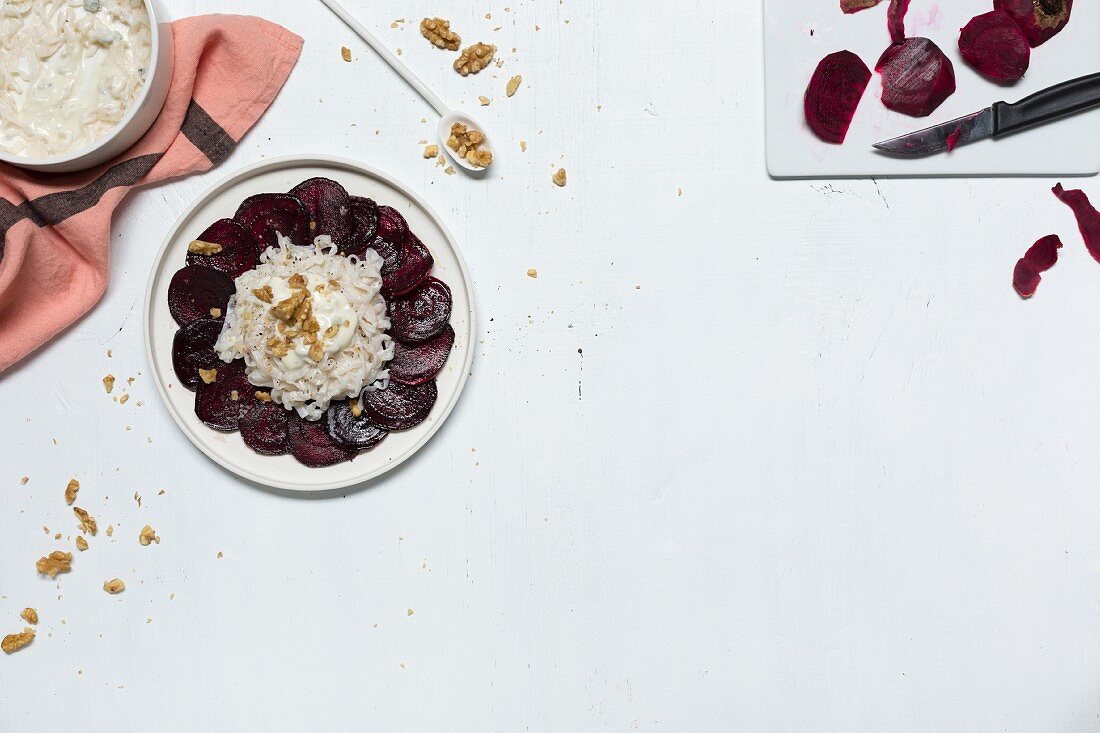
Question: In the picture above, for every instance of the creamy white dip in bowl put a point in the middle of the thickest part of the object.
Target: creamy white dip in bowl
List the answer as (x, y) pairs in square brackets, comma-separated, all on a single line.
[(82, 80)]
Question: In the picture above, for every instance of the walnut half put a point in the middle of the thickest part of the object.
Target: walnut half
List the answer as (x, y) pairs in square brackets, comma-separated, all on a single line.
[(54, 563), (474, 58), (439, 32), (15, 642)]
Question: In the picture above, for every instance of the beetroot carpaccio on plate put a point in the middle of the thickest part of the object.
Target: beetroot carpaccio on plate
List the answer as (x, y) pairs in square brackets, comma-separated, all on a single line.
[(311, 323)]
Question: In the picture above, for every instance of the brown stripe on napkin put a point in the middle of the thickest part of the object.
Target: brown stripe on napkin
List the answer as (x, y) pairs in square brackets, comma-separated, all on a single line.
[(206, 134)]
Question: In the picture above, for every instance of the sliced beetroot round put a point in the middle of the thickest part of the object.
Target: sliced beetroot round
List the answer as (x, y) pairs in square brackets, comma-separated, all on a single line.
[(194, 290), (995, 46), (193, 349), (895, 19), (390, 253), (916, 77), (1042, 256), (1040, 20), (264, 425), (421, 315), (349, 431), (416, 263), (328, 205), (362, 223), (833, 95), (392, 226), (311, 444), (267, 213), (400, 406), (240, 250), (214, 403), (417, 364)]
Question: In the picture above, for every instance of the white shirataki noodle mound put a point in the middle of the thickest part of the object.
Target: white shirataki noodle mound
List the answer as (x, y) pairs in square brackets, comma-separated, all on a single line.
[(309, 388)]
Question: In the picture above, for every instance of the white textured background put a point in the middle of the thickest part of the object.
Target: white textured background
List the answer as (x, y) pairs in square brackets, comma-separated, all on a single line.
[(818, 468)]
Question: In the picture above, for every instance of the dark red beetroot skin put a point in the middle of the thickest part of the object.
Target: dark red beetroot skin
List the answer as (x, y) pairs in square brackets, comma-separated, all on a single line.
[(1040, 20), (311, 444), (1088, 218), (267, 213), (1039, 258), (193, 349), (416, 263), (854, 6), (400, 407), (995, 46), (895, 19), (916, 77), (214, 403), (422, 314), (349, 431), (194, 290), (417, 364), (363, 223), (240, 250), (833, 95), (264, 425), (328, 205)]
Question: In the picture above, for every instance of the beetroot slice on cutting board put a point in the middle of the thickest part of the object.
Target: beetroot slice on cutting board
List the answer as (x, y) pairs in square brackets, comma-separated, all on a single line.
[(267, 213), (834, 94), (1042, 256), (194, 290), (193, 349), (399, 406), (854, 6), (311, 444), (1088, 218), (417, 364), (349, 431), (214, 403), (916, 77), (240, 250), (1040, 20), (264, 425), (995, 46), (416, 263), (422, 314), (895, 19), (328, 204), (363, 223)]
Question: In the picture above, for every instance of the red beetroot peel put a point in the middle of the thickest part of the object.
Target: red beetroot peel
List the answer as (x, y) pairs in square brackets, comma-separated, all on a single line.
[(854, 6), (1040, 20), (895, 19), (1088, 218), (1042, 256), (834, 94)]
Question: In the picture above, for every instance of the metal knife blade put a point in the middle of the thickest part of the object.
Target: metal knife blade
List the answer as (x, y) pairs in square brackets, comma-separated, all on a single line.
[(940, 138)]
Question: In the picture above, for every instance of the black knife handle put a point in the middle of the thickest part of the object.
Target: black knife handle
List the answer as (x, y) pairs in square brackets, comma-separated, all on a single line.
[(1051, 104)]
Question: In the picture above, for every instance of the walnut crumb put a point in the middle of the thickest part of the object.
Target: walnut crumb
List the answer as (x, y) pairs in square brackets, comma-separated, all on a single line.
[(264, 294), (356, 408), (484, 101), (14, 642), (215, 312), (109, 383), (345, 53), (439, 32), (431, 151), (200, 247), (523, 146), (124, 399), (114, 586), (513, 85), (81, 543), (148, 536), (110, 530), (532, 273), (234, 395), (54, 563), (474, 58), (29, 615), (208, 376), (559, 178), (87, 521), (263, 396), (23, 481), (449, 170), (71, 490)]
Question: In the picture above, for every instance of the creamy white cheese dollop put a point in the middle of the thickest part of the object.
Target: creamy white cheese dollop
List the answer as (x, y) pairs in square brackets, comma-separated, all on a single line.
[(330, 308), (69, 71)]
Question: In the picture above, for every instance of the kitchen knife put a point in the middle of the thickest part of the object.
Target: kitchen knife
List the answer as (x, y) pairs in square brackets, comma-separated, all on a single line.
[(1054, 103)]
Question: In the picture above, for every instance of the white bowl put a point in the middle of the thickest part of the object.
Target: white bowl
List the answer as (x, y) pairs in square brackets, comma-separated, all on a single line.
[(139, 118)]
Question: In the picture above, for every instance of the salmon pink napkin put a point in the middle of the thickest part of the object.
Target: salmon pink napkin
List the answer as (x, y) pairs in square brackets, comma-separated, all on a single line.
[(54, 255)]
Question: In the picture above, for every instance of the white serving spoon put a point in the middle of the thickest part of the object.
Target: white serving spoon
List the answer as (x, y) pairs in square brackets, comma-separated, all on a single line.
[(447, 115)]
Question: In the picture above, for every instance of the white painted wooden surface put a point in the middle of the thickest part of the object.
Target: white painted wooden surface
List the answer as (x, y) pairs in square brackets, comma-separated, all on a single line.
[(818, 467)]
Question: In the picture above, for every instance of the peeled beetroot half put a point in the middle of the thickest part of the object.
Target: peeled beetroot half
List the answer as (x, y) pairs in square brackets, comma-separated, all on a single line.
[(311, 444), (264, 425), (1039, 258), (399, 406), (416, 263), (328, 205), (995, 46), (240, 251), (193, 349), (363, 223), (194, 290), (349, 431), (1088, 218), (214, 402), (834, 93), (267, 213), (1040, 20), (422, 314), (895, 19), (418, 364), (916, 77)]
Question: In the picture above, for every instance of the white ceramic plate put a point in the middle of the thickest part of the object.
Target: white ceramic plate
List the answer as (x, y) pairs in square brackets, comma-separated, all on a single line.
[(280, 174)]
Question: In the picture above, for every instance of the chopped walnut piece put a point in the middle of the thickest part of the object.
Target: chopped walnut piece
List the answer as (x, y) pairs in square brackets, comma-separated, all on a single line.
[(287, 310), (532, 273), (109, 383), (484, 101), (148, 536), (54, 563), (345, 53), (233, 395), (356, 408), (559, 178), (208, 376), (263, 396), (81, 543), (317, 351), (297, 281), (480, 158), (513, 85), (474, 58), (110, 530), (466, 144), (124, 399), (331, 331), (439, 32), (14, 642), (264, 294), (29, 615), (70, 491), (215, 312), (87, 521), (114, 586), (23, 481), (523, 146), (431, 151), (450, 170), (204, 248)]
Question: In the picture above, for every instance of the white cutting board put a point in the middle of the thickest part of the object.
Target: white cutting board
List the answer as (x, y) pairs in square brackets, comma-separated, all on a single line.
[(791, 53)]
